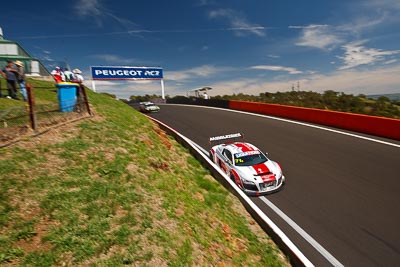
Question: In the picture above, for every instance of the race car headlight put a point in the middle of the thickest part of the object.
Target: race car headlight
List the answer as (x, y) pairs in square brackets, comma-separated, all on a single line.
[(278, 173), (248, 182)]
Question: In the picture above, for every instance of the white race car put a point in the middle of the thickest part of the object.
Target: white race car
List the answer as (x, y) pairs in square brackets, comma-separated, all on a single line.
[(148, 107), (247, 166)]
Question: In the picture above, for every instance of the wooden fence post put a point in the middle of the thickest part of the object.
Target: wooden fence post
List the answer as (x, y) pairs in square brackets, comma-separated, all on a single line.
[(85, 99), (31, 104)]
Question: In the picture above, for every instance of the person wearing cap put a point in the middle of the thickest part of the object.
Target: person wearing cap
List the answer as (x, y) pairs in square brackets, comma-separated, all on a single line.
[(78, 75), (58, 75), (21, 79), (10, 73), (79, 96)]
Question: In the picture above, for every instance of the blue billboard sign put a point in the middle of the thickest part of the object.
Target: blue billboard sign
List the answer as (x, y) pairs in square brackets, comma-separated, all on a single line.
[(126, 73)]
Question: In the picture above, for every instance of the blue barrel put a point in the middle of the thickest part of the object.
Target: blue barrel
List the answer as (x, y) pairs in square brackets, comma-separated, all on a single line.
[(67, 96)]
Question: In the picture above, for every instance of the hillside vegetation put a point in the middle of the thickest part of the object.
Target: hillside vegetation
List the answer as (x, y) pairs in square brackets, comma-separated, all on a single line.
[(115, 190)]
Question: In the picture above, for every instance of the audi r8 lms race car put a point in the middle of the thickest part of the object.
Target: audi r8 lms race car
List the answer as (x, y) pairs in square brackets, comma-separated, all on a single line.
[(247, 166), (148, 107)]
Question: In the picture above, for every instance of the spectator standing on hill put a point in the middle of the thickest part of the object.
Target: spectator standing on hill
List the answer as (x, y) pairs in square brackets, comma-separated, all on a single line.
[(78, 75), (69, 75), (21, 79), (79, 96), (58, 75), (10, 73)]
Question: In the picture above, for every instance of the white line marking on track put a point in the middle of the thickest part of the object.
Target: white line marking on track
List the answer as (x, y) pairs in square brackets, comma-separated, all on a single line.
[(302, 233)]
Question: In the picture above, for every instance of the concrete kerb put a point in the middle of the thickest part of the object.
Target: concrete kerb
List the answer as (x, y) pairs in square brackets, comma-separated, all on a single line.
[(295, 256)]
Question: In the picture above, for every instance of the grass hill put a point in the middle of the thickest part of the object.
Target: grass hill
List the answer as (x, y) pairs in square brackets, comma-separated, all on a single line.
[(115, 190)]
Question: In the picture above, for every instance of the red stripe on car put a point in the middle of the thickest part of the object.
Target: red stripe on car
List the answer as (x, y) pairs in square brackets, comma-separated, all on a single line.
[(261, 168), (244, 147)]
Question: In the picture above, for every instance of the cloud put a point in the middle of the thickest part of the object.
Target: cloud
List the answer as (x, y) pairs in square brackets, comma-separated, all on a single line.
[(237, 22), (318, 36), (114, 59), (383, 4), (94, 10), (360, 24), (201, 71), (390, 61), (47, 58), (276, 68), (90, 8), (378, 81), (382, 80), (356, 55), (205, 2), (360, 19)]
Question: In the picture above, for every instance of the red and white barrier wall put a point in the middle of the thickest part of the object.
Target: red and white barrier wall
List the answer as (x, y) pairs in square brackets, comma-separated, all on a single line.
[(379, 126)]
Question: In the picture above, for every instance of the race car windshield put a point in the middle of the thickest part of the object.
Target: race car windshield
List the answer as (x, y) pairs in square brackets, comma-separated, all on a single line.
[(249, 158)]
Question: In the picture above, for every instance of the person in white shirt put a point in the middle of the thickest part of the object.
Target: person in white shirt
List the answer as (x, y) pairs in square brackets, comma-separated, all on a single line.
[(58, 75), (69, 76), (78, 78), (78, 75)]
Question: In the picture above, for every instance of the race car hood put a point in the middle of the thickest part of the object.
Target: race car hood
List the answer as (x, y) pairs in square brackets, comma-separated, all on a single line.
[(265, 172)]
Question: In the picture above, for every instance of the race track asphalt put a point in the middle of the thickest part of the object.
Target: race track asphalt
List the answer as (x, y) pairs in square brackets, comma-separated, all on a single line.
[(343, 191)]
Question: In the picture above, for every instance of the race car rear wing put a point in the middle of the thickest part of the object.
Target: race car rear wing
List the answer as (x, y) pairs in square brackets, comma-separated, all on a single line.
[(225, 137)]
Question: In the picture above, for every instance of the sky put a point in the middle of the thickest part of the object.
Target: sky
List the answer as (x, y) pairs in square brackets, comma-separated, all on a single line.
[(236, 46)]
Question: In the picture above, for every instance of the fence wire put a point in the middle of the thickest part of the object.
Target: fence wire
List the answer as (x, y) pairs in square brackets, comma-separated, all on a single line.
[(48, 111)]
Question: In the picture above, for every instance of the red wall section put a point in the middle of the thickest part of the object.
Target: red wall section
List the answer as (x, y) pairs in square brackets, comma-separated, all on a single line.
[(379, 126)]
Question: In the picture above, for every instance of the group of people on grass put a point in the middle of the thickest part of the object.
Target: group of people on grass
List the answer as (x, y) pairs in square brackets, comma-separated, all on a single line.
[(67, 76), (14, 73)]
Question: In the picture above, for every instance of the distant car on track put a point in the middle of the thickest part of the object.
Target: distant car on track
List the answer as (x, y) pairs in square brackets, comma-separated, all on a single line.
[(148, 106), (247, 166)]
